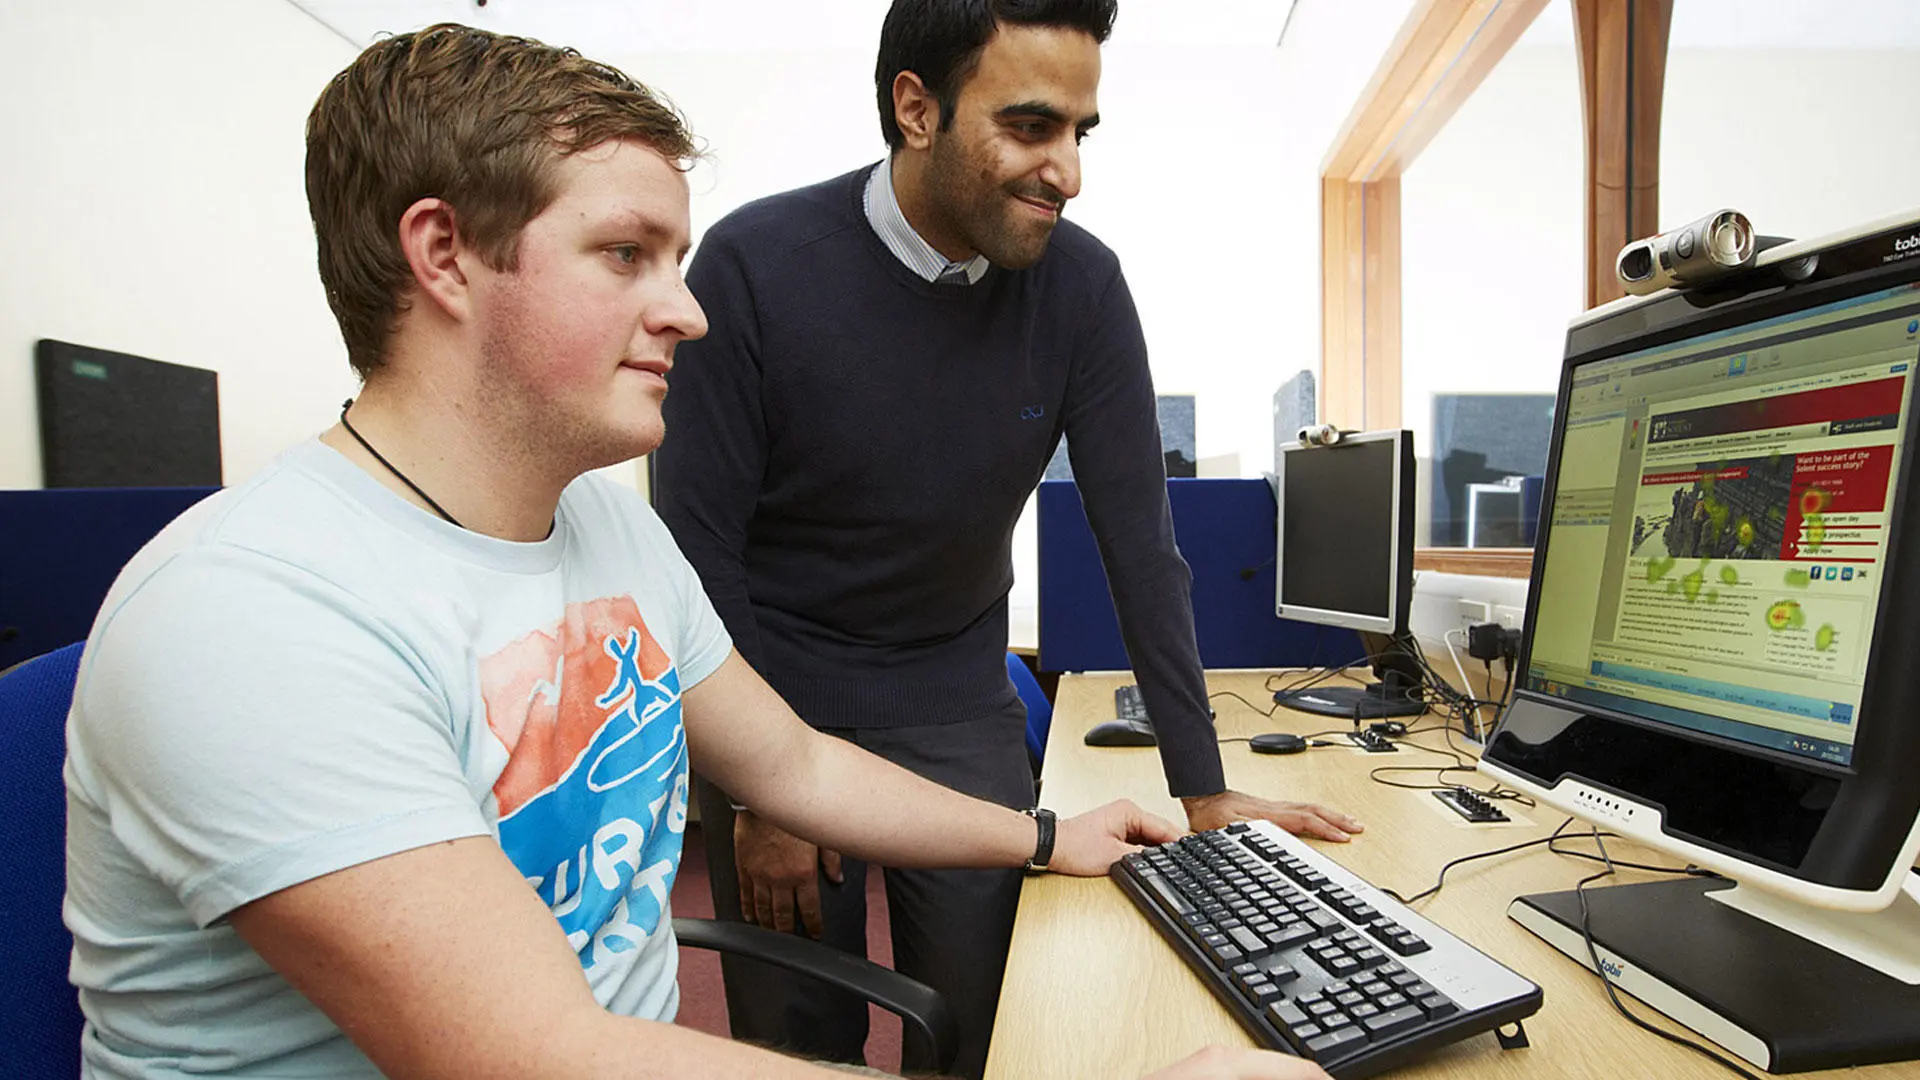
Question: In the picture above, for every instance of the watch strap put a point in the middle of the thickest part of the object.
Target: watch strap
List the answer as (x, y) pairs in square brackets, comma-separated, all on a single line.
[(1043, 843)]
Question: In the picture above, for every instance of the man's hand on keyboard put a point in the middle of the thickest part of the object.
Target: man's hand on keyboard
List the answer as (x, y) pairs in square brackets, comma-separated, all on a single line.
[(1090, 843), (1220, 1063), (1303, 819)]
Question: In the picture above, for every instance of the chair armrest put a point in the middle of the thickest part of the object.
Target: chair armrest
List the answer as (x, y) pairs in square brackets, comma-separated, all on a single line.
[(914, 1002)]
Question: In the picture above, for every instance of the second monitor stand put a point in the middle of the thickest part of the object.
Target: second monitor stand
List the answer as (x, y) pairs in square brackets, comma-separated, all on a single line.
[(1398, 693)]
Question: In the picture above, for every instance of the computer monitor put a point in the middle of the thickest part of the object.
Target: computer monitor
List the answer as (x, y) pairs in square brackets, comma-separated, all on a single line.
[(1344, 557), (1718, 656)]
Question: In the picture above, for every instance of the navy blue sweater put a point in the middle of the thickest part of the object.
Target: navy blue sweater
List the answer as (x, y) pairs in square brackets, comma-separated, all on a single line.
[(849, 448)]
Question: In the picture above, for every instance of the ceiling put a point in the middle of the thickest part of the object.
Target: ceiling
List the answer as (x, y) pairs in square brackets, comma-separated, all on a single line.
[(628, 27)]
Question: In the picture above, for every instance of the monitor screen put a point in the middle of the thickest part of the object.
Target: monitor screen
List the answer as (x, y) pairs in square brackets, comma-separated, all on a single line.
[(1345, 532), (1715, 658), (1718, 530)]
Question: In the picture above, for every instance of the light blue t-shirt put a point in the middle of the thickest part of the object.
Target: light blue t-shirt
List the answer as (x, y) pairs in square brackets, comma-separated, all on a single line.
[(305, 673)]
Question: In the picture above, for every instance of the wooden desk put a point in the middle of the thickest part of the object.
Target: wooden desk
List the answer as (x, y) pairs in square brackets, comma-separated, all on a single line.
[(1093, 993)]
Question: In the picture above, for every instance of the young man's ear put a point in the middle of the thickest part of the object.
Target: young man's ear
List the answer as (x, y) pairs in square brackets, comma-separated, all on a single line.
[(916, 110), (431, 243)]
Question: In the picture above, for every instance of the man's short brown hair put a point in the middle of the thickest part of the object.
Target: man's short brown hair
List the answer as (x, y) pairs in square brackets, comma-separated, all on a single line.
[(476, 118)]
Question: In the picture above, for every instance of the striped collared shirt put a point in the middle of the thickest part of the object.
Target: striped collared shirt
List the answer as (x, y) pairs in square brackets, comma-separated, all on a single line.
[(883, 213)]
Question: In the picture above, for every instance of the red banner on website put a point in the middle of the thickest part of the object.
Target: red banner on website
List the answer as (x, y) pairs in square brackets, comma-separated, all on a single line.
[(1838, 503), (1854, 407)]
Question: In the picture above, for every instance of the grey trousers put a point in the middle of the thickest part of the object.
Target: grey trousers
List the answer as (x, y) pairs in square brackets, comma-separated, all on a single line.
[(950, 928)]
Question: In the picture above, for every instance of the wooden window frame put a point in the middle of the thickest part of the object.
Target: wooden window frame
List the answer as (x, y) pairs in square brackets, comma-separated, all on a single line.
[(1443, 52)]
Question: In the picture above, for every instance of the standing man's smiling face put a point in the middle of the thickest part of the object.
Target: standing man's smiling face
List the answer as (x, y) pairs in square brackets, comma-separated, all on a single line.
[(996, 180)]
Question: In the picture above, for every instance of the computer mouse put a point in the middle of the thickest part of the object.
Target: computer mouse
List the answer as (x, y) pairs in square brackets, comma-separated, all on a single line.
[(1119, 733), (1277, 742)]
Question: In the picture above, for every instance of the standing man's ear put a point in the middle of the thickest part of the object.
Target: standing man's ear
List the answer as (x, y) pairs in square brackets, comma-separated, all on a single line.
[(916, 110)]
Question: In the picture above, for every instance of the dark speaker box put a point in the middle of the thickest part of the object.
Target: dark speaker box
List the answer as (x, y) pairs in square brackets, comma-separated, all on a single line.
[(108, 419)]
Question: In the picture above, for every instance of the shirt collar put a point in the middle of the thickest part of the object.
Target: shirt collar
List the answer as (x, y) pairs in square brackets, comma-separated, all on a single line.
[(884, 214)]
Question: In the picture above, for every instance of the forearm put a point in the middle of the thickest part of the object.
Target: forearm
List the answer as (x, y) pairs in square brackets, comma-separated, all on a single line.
[(848, 800), (622, 1048)]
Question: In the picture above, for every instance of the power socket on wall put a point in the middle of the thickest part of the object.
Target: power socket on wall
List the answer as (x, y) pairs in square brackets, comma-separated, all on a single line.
[(1448, 602), (1473, 612)]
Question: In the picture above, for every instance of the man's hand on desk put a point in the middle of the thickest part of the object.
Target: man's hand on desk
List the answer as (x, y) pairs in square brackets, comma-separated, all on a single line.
[(1090, 843), (1220, 1063), (779, 874), (1305, 819)]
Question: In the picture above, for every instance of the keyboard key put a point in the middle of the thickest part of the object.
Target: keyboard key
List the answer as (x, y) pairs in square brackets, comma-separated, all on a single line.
[(1407, 944), (1335, 1043), (1393, 1023), (1279, 971), (1436, 1006), (1287, 1015), (1168, 896), (1249, 942)]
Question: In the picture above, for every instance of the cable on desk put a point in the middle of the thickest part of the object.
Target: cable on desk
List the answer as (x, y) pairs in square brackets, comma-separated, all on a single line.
[(1442, 880), (1593, 953), (1267, 712), (1462, 762)]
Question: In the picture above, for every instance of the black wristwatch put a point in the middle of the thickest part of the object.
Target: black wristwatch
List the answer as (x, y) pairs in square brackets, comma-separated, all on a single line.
[(1043, 847)]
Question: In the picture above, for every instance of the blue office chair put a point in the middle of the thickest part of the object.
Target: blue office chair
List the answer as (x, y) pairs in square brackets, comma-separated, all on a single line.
[(1039, 709), (40, 1019), (39, 1016)]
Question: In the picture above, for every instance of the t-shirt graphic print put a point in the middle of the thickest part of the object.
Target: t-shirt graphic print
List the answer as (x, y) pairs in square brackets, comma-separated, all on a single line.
[(592, 804)]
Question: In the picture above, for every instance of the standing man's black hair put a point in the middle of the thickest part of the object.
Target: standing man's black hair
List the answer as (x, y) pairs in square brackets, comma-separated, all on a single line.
[(941, 40)]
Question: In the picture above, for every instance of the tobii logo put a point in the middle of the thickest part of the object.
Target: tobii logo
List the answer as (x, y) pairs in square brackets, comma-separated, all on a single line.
[(1613, 970), (1911, 243)]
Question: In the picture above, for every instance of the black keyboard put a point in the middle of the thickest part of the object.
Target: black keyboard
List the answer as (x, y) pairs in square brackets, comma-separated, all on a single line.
[(1128, 705), (1311, 959)]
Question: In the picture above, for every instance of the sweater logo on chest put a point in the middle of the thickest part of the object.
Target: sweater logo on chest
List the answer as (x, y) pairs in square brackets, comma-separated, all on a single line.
[(1033, 412)]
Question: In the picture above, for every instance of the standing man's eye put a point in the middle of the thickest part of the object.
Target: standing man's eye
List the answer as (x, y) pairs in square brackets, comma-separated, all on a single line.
[(628, 254)]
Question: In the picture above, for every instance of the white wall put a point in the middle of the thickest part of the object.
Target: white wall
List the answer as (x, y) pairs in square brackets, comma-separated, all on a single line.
[(1802, 141), (1805, 140), (154, 204)]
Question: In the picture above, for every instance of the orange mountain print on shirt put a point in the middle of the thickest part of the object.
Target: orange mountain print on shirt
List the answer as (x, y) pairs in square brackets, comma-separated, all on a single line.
[(540, 693)]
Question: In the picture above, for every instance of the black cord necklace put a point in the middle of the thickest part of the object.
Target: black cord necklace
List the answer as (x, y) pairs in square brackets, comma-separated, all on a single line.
[(362, 440)]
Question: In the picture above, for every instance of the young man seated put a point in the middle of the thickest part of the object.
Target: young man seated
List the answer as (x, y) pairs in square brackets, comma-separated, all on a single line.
[(378, 762)]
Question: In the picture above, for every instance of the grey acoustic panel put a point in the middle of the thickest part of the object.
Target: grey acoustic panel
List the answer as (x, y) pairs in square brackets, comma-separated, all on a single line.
[(109, 419), (1481, 439), (1293, 409), (1177, 440)]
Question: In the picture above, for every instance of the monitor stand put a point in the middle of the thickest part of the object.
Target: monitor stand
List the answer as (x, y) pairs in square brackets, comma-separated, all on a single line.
[(1373, 701), (1788, 987), (1398, 693)]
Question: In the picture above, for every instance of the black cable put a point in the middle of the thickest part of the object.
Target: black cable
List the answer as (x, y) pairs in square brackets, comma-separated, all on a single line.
[(381, 458), (1593, 953), (1442, 880), (1462, 761), (1267, 712)]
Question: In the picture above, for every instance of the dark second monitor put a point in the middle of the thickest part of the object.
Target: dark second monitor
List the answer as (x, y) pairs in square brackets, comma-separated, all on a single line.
[(1345, 558)]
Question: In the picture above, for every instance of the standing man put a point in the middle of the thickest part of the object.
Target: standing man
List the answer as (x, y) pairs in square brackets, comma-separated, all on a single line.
[(894, 355)]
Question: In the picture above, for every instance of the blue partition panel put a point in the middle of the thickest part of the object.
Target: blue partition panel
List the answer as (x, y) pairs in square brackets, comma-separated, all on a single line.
[(1225, 529), (60, 550)]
